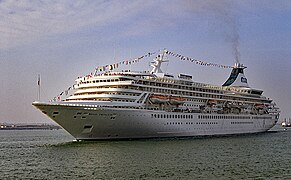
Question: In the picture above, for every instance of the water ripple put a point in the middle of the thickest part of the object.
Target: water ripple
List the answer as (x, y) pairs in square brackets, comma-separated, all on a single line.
[(54, 155)]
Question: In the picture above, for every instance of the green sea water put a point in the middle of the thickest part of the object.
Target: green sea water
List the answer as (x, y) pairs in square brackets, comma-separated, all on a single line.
[(52, 154)]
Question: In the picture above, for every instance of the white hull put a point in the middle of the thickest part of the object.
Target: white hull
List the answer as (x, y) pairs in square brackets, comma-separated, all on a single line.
[(93, 123)]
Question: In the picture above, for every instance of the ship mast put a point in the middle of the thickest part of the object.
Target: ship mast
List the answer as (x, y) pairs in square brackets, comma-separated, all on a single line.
[(158, 62)]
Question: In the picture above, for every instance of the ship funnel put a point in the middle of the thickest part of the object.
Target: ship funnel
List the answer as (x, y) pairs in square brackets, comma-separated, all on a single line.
[(237, 77)]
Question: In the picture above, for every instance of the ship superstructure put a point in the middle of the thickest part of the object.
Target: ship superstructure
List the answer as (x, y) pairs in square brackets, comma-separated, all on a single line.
[(128, 104)]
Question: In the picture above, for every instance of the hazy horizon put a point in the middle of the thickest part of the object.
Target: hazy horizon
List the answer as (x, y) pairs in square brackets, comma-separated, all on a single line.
[(62, 40)]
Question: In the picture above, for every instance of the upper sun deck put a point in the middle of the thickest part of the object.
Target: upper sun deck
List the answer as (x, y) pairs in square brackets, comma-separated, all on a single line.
[(157, 79), (161, 80)]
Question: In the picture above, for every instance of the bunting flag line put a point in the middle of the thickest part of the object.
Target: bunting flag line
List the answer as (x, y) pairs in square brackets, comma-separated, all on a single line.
[(111, 67), (58, 97), (199, 62)]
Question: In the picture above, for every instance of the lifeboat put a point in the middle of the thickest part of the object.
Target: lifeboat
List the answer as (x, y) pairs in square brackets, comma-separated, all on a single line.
[(159, 99), (177, 100), (260, 106)]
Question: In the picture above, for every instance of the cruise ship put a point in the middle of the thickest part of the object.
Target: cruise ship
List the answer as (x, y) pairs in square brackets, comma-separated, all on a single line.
[(154, 104)]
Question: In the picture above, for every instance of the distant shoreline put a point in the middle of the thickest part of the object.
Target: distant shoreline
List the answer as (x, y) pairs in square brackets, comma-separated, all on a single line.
[(29, 127)]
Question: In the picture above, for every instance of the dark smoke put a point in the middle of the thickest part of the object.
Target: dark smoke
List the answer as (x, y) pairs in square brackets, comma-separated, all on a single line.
[(226, 23), (233, 37)]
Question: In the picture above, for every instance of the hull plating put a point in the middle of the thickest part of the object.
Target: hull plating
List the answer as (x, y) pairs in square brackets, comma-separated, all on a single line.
[(86, 123)]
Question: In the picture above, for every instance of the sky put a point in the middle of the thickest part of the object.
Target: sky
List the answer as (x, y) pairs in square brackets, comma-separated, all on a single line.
[(64, 39)]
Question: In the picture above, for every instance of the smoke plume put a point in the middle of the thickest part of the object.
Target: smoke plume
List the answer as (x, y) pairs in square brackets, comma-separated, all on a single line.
[(233, 37), (230, 25), (224, 20)]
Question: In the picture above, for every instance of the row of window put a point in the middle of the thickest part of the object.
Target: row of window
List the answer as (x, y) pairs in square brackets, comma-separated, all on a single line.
[(241, 122), (178, 92), (103, 80), (189, 123), (264, 117), (191, 105), (180, 116), (222, 117), (192, 86), (169, 116), (171, 83), (99, 106), (109, 92)]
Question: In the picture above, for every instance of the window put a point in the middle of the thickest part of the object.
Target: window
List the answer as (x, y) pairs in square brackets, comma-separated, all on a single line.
[(87, 126)]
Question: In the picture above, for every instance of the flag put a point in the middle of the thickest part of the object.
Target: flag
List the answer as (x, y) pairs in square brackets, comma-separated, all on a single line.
[(38, 80)]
